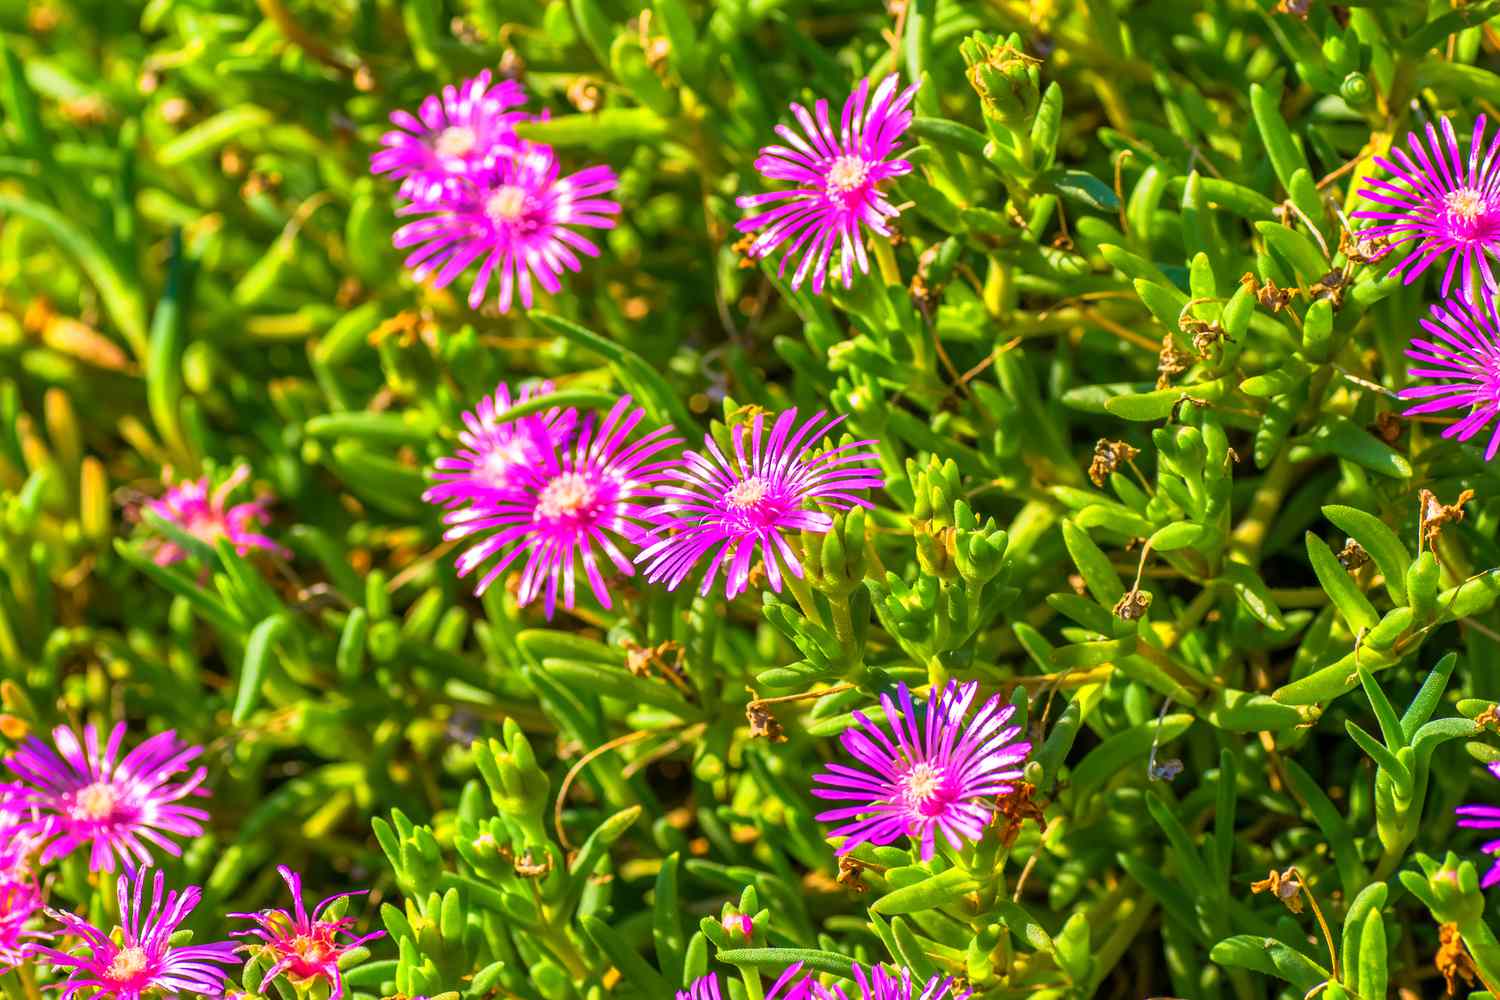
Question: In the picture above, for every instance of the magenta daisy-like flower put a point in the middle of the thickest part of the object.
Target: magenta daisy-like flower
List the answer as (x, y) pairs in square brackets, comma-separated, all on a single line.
[(929, 770), (736, 507), (453, 134), (1443, 203), (576, 498), (142, 958), (877, 983), (838, 178), (707, 987), (1462, 362), (203, 512), (20, 896), (301, 944), (1478, 817), (495, 448), (516, 219), (79, 793)]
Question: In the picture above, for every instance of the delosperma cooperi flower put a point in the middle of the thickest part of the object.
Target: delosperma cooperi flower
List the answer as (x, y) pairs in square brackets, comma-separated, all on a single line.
[(838, 178), (139, 957), (1461, 362), (878, 983), (496, 448), (928, 770), (734, 508), (203, 511), (20, 895), (454, 133), (81, 794), (302, 944), (1481, 817), (707, 987), (1448, 204), (516, 218), (570, 504)]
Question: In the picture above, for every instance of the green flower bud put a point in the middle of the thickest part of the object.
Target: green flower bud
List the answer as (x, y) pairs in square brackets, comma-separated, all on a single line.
[(1005, 78), (1356, 90)]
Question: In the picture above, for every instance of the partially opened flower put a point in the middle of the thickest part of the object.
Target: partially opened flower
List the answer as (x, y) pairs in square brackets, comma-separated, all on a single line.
[(495, 448), (516, 219), (877, 983), (838, 178), (139, 958), (929, 770), (575, 501), (1480, 817), (203, 511), (454, 133), (81, 794), (1444, 203), (304, 945), (707, 987), (1461, 360), (737, 507)]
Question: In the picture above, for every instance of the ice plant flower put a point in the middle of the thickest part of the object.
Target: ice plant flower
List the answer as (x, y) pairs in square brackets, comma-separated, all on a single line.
[(1480, 817), (203, 512), (734, 507), (495, 449), (516, 218), (142, 958), (929, 770), (79, 793), (575, 498), (877, 983), (837, 177), (1462, 362), (707, 987), (20, 895), (1444, 204), (300, 944), (738, 923), (453, 134)]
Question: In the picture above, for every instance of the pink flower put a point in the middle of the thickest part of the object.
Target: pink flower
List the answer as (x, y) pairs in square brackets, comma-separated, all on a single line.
[(707, 987), (514, 217), (81, 794), (191, 506), (454, 134), (1442, 203), (935, 772), (838, 177), (20, 895), (876, 983), (734, 508), (302, 945), (573, 499), (143, 959), (1462, 360), (1479, 817), (495, 448), (740, 923)]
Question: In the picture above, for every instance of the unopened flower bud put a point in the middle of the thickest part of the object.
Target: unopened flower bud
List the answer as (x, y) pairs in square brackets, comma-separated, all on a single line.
[(1005, 78)]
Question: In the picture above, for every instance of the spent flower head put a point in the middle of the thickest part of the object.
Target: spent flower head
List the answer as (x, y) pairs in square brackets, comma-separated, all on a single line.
[(838, 177), (203, 511), (303, 945), (78, 793), (139, 957), (928, 770), (1461, 363), (1444, 204), (734, 508)]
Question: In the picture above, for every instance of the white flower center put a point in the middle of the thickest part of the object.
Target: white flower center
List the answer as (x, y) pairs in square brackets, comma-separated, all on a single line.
[(747, 493), (920, 784), (846, 174), (455, 140), (498, 462), (1465, 203), (566, 496), (96, 802), (127, 964), (507, 204)]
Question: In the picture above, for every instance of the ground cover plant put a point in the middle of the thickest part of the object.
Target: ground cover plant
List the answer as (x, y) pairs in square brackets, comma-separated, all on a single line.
[(761, 500)]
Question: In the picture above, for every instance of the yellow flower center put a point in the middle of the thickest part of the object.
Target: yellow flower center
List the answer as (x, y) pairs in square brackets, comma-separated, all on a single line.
[(566, 495), (507, 204), (456, 140), (1466, 203), (96, 801), (127, 964), (846, 174), (308, 948), (746, 493)]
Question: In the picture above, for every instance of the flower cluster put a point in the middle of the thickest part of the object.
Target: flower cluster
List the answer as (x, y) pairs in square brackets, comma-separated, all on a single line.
[(482, 195), (553, 490)]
